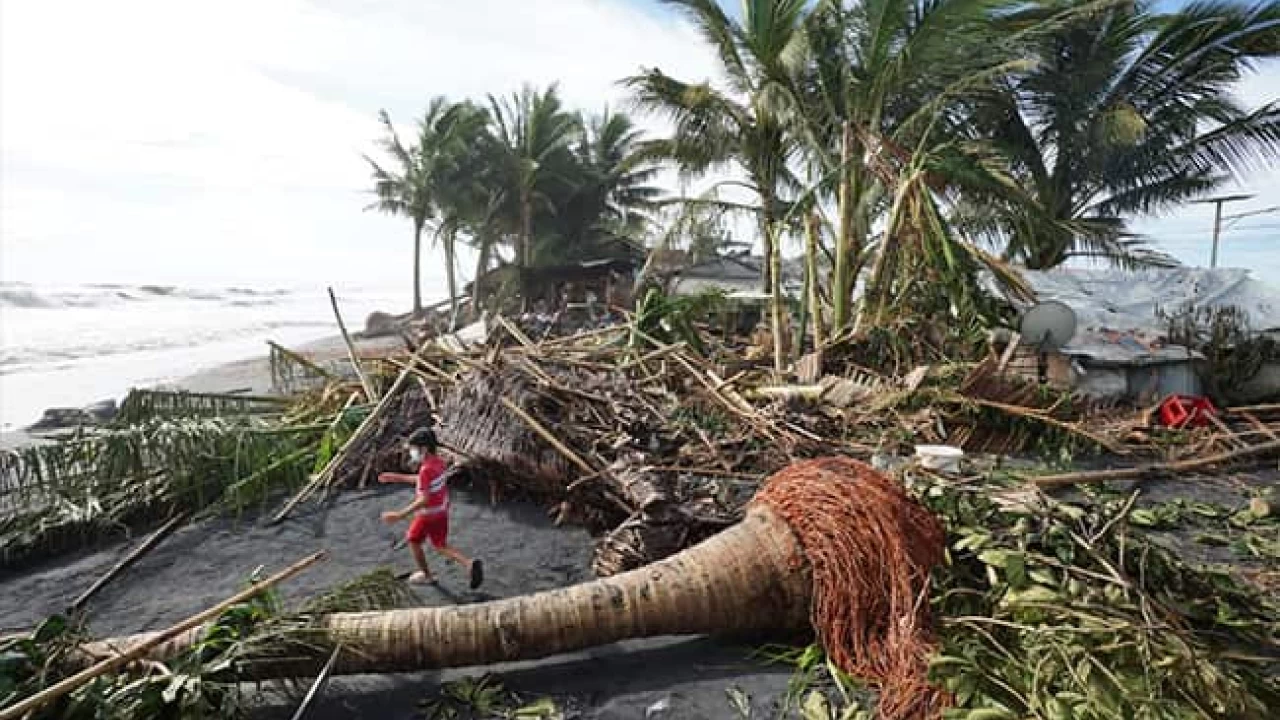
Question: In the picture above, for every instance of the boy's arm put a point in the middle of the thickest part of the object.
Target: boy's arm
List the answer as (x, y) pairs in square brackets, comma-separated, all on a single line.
[(393, 477), (397, 515)]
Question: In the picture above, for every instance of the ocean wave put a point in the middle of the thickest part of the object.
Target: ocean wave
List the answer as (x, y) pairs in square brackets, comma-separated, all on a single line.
[(24, 359), (25, 296)]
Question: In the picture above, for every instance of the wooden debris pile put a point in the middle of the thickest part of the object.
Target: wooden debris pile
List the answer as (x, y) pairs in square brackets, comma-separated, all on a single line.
[(654, 446), (648, 446)]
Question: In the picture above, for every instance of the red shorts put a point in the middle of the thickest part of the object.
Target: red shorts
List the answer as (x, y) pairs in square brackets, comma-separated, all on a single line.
[(433, 527)]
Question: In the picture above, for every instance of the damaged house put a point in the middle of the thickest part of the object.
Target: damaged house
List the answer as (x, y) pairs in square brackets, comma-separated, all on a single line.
[(1123, 346)]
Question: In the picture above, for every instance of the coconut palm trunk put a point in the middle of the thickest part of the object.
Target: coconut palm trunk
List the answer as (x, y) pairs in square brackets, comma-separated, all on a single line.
[(829, 541), (482, 267), (776, 309), (846, 251), (417, 269), (760, 582), (449, 239), (811, 271)]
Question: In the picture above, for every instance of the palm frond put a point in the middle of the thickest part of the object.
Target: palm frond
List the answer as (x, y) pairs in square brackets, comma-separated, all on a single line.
[(722, 34)]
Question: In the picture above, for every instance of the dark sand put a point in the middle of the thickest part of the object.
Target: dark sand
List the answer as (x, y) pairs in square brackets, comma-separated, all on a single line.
[(204, 563)]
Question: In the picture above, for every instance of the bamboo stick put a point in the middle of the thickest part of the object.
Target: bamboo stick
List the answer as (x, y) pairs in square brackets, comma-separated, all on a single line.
[(302, 360), (653, 355), (317, 687), (573, 339), (1256, 423), (323, 476), (516, 332), (545, 434), (1273, 407), (1137, 472), (69, 684), (369, 390), (129, 559)]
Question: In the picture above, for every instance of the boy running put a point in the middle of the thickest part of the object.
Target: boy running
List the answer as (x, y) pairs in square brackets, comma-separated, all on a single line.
[(430, 509)]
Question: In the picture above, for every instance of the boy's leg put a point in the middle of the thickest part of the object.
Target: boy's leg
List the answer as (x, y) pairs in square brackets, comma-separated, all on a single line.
[(453, 554), (420, 557), (438, 531), (415, 536)]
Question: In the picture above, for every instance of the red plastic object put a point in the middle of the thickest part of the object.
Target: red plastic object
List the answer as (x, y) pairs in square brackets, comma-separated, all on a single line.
[(1184, 411)]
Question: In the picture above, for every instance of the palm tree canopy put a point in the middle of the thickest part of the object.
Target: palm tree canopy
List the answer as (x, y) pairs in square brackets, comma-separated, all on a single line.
[(607, 210), (743, 125), (1129, 112)]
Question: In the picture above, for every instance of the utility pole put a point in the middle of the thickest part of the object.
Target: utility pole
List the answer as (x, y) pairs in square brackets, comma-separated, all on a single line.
[(1218, 202)]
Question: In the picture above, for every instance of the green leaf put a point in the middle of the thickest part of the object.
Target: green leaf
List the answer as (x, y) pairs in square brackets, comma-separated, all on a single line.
[(815, 706), (1036, 594), (52, 627), (1144, 518), (990, 714), (541, 709), (997, 558)]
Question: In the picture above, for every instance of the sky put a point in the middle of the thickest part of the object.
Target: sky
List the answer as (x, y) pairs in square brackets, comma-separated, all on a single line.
[(205, 143)]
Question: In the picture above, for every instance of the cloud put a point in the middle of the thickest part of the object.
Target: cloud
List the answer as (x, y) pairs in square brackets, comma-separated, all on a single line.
[(1187, 233), (160, 141), (163, 141)]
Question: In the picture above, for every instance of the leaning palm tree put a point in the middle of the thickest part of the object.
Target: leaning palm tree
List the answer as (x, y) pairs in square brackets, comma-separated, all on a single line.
[(403, 187), (742, 126), (1126, 112), (881, 79), (424, 182)]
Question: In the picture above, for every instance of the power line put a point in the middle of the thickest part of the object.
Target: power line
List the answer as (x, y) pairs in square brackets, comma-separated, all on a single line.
[(1200, 233)]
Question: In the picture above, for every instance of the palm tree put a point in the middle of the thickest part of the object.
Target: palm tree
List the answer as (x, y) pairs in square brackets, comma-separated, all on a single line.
[(404, 188), (882, 78), (536, 137), (1126, 112), (743, 126), (432, 179), (608, 209), (461, 184)]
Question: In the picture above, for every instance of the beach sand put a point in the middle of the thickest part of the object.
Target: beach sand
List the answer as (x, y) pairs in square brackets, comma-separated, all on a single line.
[(523, 552)]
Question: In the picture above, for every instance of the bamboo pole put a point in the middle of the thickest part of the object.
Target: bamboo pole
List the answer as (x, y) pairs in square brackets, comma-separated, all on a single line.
[(653, 355), (302, 360), (317, 687), (323, 476), (129, 559), (69, 684), (369, 390), (1049, 481), (516, 332), (545, 434)]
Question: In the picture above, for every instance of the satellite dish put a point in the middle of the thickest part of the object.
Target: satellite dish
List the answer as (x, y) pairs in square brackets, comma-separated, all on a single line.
[(1048, 325)]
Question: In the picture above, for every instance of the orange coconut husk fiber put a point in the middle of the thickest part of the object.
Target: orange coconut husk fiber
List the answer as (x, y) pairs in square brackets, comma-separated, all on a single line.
[(870, 548)]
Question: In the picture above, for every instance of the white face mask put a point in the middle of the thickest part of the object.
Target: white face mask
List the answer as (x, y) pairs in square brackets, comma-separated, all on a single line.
[(415, 454)]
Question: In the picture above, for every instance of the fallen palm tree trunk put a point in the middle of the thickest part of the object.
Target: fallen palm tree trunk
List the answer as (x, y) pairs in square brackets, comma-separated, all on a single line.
[(829, 541)]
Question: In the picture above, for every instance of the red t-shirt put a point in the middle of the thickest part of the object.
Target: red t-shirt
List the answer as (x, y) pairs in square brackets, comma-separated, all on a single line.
[(433, 486)]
